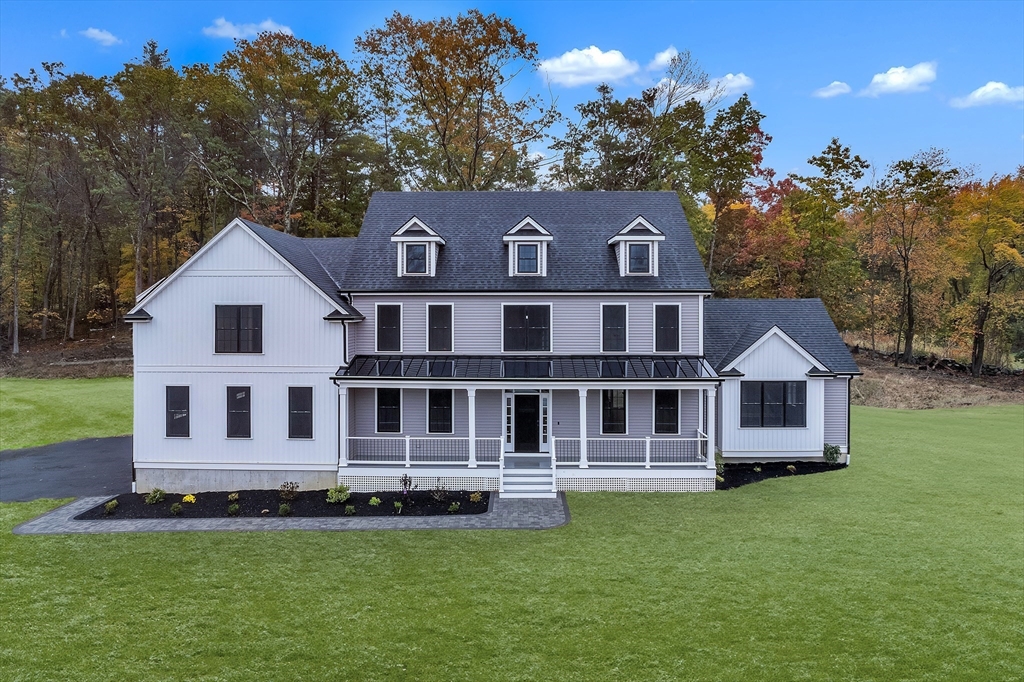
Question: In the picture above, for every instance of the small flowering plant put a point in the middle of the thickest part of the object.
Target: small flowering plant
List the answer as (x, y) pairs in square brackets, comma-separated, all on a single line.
[(189, 499)]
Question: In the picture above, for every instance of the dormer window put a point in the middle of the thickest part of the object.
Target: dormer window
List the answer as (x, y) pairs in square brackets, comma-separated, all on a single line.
[(527, 249), (636, 248), (418, 249)]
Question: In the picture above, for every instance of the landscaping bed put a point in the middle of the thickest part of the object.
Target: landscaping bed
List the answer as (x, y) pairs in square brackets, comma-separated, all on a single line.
[(736, 474), (308, 503)]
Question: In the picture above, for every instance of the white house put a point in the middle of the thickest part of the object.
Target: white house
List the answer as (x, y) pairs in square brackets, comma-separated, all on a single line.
[(525, 342)]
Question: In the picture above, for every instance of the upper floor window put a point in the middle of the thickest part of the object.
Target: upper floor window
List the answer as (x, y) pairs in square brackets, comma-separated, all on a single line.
[(389, 328), (527, 328), (773, 404), (666, 328), (640, 259), (527, 259), (300, 411), (527, 248), (613, 328), (239, 329), (177, 412), (439, 328), (415, 259)]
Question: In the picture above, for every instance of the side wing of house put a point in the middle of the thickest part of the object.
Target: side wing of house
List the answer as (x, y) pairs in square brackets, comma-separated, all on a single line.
[(232, 364)]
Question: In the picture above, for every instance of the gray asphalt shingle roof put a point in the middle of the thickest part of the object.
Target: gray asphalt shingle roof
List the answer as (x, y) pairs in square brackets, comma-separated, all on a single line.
[(731, 325)]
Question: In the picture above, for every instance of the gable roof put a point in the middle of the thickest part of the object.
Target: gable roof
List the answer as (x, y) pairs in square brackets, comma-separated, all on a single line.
[(732, 325), (476, 259)]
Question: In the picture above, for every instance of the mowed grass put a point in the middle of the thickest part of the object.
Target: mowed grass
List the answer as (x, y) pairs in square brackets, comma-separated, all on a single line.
[(909, 565), (41, 411)]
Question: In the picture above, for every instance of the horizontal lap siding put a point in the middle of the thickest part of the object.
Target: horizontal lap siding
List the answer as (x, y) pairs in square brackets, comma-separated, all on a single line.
[(490, 422), (836, 409), (689, 413), (565, 409)]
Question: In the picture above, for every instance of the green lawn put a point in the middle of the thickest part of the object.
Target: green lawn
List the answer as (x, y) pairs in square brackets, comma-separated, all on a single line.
[(907, 566), (41, 411)]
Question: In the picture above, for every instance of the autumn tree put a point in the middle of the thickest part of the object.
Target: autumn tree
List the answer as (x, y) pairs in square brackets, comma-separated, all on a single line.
[(438, 90)]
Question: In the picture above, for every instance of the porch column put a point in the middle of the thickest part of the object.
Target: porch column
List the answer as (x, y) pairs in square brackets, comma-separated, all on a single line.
[(342, 426), (712, 391), (583, 429), (471, 402)]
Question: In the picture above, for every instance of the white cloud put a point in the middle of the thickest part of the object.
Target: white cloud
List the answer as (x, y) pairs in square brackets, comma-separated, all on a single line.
[(104, 38), (663, 58), (582, 67), (222, 28), (727, 85), (992, 92), (901, 79), (833, 89)]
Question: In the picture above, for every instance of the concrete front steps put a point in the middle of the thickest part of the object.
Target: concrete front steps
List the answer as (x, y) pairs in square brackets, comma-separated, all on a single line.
[(527, 476)]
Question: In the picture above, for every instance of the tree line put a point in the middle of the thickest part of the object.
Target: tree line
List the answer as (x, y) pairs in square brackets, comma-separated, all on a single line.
[(110, 182)]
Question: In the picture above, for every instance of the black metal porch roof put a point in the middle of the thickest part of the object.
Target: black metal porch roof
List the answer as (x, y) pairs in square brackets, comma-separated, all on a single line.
[(526, 367)]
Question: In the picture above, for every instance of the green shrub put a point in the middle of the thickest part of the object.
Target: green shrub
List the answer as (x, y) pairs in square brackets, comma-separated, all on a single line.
[(338, 494), (284, 510), (156, 496), (719, 463), (791, 469), (398, 506), (831, 453), (233, 509), (719, 479), (289, 491), (109, 507), (453, 507), (374, 501), (176, 508), (757, 470), (350, 510), (476, 497), (232, 497)]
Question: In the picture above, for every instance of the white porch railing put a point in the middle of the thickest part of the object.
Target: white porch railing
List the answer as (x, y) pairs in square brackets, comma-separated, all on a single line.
[(488, 450), (649, 451), (409, 450)]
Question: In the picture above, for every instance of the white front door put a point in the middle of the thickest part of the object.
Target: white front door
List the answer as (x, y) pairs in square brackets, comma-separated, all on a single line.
[(527, 421)]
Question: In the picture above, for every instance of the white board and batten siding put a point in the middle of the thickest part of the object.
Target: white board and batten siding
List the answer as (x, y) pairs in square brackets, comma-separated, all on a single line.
[(477, 321), (772, 360), (177, 348)]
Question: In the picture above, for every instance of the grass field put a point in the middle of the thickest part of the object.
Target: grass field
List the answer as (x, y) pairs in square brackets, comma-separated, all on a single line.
[(41, 411), (906, 566)]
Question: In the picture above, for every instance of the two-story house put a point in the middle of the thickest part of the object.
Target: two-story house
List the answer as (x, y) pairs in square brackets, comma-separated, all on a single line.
[(525, 342)]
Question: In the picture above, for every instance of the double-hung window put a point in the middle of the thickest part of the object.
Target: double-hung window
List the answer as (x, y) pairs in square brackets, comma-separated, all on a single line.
[(639, 259), (389, 410), (389, 328), (527, 259), (239, 412), (527, 328), (439, 410), (300, 411), (613, 328), (666, 328), (773, 404), (415, 259), (239, 329), (613, 411), (177, 412), (439, 328), (666, 412)]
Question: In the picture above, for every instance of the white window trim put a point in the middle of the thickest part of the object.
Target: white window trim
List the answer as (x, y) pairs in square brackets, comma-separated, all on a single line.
[(654, 329), (376, 414), (404, 262), (650, 257), (601, 340), (251, 430), (312, 414), (654, 412), (401, 327), (426, 424), (551, 331), (515, 259), (189, 436), (807, 404), (426, 341), (263, 321), (600, 407)]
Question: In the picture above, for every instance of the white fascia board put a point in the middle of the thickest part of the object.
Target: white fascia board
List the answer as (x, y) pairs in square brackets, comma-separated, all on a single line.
[(639, 221), (528, 222), (416, 222), (775, 331)]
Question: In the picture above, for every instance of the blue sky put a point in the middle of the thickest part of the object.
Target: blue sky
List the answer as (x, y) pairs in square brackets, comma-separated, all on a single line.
[(904, 72)]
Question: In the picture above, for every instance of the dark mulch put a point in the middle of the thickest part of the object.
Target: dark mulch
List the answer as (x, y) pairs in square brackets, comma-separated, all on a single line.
[(736, 475), (309, 503)]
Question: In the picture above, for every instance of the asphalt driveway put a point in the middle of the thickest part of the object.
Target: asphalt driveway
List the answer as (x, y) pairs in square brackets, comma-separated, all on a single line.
[(78, 468)]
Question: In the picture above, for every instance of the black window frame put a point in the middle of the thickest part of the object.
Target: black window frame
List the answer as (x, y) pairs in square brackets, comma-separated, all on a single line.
[(237, 417), (432, 328), (608, 409), (173, 405), (605, 346), (530, 334), (380, 330), (300, 421), (535, 259), (662, 411), (647, 259), (230, 333), (407, 269), (786, 409), (661, 333), (395, 405), (440, 414)]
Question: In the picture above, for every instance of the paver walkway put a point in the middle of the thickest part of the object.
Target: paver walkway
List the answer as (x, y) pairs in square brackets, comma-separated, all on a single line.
[(507, 514)]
